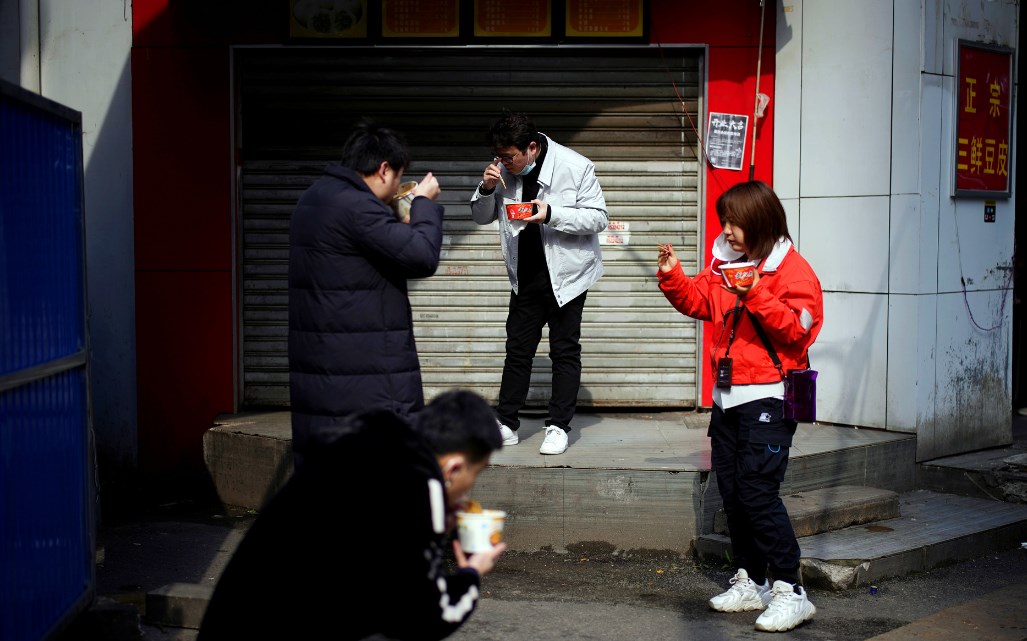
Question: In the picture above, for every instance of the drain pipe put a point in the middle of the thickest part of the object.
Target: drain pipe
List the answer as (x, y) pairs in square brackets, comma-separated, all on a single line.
[(758, 104)]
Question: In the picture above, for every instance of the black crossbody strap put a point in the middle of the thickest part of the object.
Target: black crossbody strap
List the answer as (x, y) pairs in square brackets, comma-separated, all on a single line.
[(734, 325), (766, 343)]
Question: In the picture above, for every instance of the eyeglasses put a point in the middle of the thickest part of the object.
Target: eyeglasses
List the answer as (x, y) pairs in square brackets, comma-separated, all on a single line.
[(507, 157)]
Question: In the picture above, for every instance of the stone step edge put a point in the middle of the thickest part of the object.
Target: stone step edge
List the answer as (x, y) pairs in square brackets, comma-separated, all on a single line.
[(831, 508), (178, 605), (842, 574)]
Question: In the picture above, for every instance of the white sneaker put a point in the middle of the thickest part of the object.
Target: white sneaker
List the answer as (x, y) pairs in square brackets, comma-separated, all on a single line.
[(509, 436), (743, 595), (787, 608), (555, 441)]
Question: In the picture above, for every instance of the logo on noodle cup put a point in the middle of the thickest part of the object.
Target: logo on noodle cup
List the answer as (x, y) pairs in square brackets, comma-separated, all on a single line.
[(518, 211), (738, 274)]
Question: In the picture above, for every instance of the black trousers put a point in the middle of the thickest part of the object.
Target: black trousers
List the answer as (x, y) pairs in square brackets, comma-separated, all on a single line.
[(749, 476), (530, 310)]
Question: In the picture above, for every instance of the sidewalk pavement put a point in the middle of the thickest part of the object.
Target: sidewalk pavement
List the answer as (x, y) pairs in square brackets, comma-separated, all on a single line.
[(1000, 615), (189, 541)]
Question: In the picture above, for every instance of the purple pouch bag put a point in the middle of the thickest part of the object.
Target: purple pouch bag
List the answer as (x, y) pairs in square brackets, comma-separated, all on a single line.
[(801, 395)]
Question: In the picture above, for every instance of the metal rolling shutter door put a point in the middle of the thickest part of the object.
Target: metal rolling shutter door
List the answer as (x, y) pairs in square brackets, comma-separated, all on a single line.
[(616, 106)]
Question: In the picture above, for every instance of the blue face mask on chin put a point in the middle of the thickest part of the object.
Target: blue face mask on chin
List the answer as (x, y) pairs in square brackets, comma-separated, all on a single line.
[(528, 168)]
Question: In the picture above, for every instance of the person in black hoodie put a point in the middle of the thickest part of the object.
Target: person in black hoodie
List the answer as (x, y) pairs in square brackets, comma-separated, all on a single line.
[(351, 339), (354, 544)]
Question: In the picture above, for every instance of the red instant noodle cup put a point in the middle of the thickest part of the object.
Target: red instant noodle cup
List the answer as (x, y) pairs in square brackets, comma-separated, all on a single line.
[(519, 211), (738, 274)]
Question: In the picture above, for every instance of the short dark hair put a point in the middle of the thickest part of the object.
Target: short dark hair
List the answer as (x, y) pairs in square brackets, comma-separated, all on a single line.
[(755, 208), (369, 145), (459, 421), (511, 129)]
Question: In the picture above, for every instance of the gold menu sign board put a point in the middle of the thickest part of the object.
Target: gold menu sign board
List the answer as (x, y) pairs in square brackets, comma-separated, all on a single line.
[(361, 22), (503, 18), (419, 19), (605, 18)]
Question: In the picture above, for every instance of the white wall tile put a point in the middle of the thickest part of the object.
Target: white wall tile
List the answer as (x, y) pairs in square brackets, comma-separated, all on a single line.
[(934, 141), (913, 267), (905, 122), (86, 47), (866, 179), (851, 356), (973, 373), (846, 98), (972, 253), (792, 214), (993, 22), (846, 242), (788, 98), (946, 136), (934, 37), (906, 242), (911, 367)]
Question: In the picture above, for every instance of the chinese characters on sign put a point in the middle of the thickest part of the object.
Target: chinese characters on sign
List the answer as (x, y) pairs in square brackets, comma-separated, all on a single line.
[(415, 18), (725, 140), (380, 21), (983, 120), (604, 17), (527, 18), (616, 233)]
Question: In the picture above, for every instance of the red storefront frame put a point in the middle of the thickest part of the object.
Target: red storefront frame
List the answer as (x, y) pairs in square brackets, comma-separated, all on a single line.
[(186, 313)]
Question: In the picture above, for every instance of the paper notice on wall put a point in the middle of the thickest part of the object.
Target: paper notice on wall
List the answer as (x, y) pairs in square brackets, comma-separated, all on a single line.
[(616, 233), (725, 140)]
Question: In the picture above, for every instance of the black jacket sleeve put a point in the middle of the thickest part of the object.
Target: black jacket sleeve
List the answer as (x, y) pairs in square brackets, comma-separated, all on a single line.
[(436, 600)]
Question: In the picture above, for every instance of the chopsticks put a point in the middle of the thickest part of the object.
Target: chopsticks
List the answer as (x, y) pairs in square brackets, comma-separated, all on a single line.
[(500, 173)]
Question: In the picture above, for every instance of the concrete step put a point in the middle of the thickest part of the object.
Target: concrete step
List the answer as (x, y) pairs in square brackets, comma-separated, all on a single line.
[(831, 508), (178, 605), (999, 474), (627, 482), (249, 456), (933, 529)]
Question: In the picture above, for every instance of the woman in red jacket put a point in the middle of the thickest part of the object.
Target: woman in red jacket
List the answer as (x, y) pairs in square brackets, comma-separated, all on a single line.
[(749, 434)]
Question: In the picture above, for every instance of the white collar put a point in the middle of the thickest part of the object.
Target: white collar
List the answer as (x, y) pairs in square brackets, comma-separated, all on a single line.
[(722, 251), (777, 254)]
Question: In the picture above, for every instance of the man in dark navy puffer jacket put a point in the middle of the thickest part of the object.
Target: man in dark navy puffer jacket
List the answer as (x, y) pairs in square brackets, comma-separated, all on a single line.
[(351, 340)]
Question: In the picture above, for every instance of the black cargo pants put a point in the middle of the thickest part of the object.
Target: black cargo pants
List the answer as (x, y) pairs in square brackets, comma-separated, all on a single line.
[(750, 445)]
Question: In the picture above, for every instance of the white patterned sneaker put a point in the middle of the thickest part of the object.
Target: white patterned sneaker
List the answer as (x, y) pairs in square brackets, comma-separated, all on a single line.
[(743, 595), (509, 436), (787, 608), (555, 441)]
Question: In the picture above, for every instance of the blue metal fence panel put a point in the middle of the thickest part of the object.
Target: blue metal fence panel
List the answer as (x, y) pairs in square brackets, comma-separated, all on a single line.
[(46, 559), (41, 315), (46, 507)]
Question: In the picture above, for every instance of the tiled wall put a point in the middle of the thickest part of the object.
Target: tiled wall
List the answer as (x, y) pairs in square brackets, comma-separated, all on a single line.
[(864, 129)]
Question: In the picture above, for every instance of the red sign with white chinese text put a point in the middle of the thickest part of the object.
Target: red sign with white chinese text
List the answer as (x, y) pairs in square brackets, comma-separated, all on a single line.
[(983, 120)]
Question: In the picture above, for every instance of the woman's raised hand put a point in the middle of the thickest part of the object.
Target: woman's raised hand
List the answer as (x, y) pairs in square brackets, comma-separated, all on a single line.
[(667, 260)]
